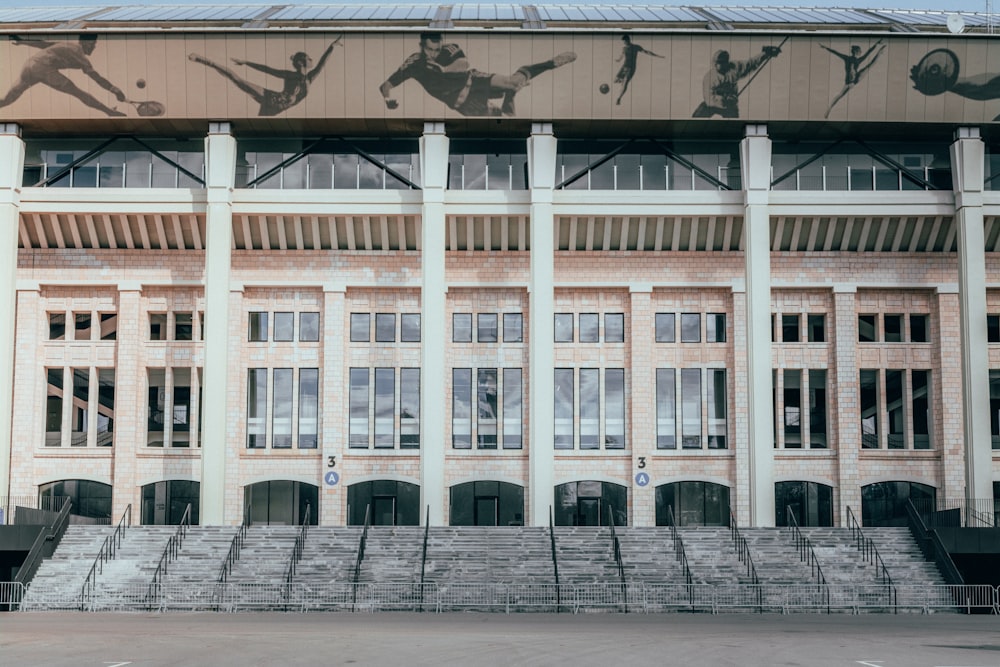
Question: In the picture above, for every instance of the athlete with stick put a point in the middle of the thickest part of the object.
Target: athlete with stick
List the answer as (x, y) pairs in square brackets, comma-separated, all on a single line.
[(720, 85)]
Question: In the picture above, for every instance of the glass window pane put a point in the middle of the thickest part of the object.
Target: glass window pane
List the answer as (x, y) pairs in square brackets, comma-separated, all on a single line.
[(385, 328), (308, 327), (461, 327), (409, 327), (867, 330), (53, 407), (281, 409), (817, 328), (715, 327), (360, 327), (486, 424), (80, 410), (563, 408), (308, 408), (564, 327), (385, 403), (817, 409), (690, 328), (57, 326), (590, 408), (691, 408), (258, 327), (157, 326), (284, 327), (183, 326), (589, 323), (993, 328), (793, 408), (919, 329), (666, 330), (358, 436), (893, 328), (105, 406), (81, 326), (256, 408), (666, 409), (512, 408), (512, 328), (868, 396), (894, 392), (614, 408), (180, 408), (790, 328), (461, 407), (614, 327), (921, 409), (716, 403), (409, 408), (486, 327)]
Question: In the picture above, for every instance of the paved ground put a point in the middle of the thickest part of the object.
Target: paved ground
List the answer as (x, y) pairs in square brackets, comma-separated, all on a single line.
[(74, 639)]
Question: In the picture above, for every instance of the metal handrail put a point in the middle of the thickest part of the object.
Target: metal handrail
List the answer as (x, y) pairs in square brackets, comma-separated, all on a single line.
[(555, 561), (616, 547), (867, 547), (362, 543), (931, 545), (805, 547), (170, 552), (678, 545), (423, 559), (742, 548), (55, 532), (234, 547), (107, 553), (299, 546)]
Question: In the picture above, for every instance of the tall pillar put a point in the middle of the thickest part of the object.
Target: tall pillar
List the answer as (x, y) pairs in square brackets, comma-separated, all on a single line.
[(755, 162), (220, 170), (333, 421), (847, 429), (967, 158), (130, 395), (11, 168), (541, 366), (642, 404), (433, 292)]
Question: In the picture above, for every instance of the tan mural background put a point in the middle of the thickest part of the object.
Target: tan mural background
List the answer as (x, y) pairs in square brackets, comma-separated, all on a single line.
[(451, 75)]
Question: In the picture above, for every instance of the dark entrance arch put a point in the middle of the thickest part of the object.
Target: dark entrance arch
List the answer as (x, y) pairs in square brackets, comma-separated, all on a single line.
[(487, 503), (164, 503), (884, 503), (90, 499), (811, 502), (392, 503), (282, 502), (586, 503), (693, 503)]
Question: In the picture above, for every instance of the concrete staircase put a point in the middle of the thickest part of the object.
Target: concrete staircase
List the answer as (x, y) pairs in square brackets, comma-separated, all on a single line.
[(258, 577), (906, 563), (189, 580), (648, 556), (585, 555), (712, 556), (59, 579), (125, 580)]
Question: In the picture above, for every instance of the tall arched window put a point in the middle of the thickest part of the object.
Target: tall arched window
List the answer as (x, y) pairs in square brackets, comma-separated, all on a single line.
[(487, 503), (693, 504), (391, 503), (90, 499), (164, 503), (812, 503), (282, 502), (884, 503), (587, 503)]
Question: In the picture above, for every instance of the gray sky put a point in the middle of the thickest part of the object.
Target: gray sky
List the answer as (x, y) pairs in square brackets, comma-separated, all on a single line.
[(947, 5)]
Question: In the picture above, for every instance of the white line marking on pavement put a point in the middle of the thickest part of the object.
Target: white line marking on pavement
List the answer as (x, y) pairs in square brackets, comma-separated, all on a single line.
[(118, 664), (870, 663)]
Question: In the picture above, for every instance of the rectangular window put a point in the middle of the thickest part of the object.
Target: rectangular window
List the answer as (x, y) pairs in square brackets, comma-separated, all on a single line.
[(920, 382), (486, 327), (308, 407), (54, 406), (513, 328), (409, 408), (666, 330), (563, 408), (284, 327), (893, 325), (793, 408), (994, 404), (156, 402), (992, 329), (256, 408), (614, 327), (105, 407), (360, 328), (409, 327), (385, 327), (385, 408), (589, 328), (691, 408), (308, 327), (563, 327), (81, 326), (461, 327), (486, 401), (867, 329), (690, 328), (258, 327), (57, 326), (157, 326), (590, 408), (817, 328), (109, 326), (512, 408), (666, 409), (281, 409), (180, 408), (715, 327), (461, 407), (614, 408), (717, 425), (895, 390), (201, 326), (920, 331), (183, 326), (868, 396), (790, 328), (817, 409), (81, 407), (358, 436)]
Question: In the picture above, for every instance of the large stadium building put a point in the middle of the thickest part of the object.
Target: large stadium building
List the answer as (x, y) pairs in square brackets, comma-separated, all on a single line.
[(491, 264)]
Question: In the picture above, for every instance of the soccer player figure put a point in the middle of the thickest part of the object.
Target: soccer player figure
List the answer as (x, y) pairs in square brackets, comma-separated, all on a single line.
[(630, 52), (720, 85), (443, 72), (853, 69), (296, 81), (46, 67)]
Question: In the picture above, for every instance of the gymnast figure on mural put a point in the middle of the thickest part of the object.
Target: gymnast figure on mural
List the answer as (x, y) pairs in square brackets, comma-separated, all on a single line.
[(853, 68), (46, 67), (720, 87), (937, 72), (296, 81), (630, 53), (443, 71)]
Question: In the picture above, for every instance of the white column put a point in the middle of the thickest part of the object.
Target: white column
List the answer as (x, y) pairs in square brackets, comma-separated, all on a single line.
[(967, 158), (541, 458), (434, 288), (220, 169), (755, 161), (333, 412), (11, 168)]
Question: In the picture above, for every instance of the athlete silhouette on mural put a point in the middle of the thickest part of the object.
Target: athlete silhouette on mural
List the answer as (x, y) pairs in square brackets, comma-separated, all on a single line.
[(443, 71), (630, 53), (937, 72), (720, 87), (46, 67), (296, 81), (853, 69)]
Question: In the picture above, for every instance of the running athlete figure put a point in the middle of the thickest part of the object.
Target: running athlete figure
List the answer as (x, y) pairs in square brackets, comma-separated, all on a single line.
[(853, 71), (720, 85), (46, 67), (630, 52), (296, 81), (443, 71)]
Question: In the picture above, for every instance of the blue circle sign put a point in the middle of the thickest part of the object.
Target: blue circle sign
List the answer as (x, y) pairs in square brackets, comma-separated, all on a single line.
[(642, 478), (331, 478)]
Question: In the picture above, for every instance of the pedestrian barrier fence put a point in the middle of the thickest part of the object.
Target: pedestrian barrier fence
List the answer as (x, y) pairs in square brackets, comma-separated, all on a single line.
[(639, 597)]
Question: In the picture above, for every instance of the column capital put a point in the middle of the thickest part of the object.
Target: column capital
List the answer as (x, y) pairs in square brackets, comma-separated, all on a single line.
[(10, 128)]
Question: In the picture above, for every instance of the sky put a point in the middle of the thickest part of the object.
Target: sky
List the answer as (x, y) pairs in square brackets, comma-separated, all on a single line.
[(945, 5)]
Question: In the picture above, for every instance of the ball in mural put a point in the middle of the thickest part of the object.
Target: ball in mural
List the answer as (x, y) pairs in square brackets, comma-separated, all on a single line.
[(604, 88), (140, 83), (936, 72)]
